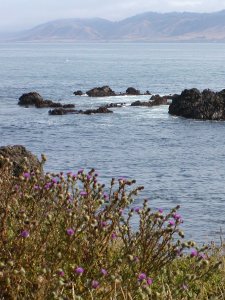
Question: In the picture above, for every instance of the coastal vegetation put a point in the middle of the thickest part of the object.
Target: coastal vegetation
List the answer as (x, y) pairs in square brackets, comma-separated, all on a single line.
[(67, 236)]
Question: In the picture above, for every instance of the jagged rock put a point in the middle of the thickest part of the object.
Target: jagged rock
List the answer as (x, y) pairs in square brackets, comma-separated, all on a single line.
[(158, 100), (33, 98), (78, 93), (20, 157), (191, 103), (104, 91), (154, 101), (147, 93), (132, 91)]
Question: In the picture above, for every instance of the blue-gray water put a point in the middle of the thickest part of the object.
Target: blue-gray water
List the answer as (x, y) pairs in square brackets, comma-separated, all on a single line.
[(178, 161)]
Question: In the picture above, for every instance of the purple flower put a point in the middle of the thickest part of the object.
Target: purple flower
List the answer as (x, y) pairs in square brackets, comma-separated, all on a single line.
[(47, 185), (36, 187), (136, 259), (104, 223), (106, 196), (160, 210), (83, 193), (70, 231), (80, 171), (61, 273), (177, 217), (95, 284), (149, 281), (142, 276), (171, 223), (54, 180), (194, 253), (79, 270), (184, 287), (26, 175), (202, 256), (25, 234), (113, 236), (137, 209), (104, 272), (89, 177)]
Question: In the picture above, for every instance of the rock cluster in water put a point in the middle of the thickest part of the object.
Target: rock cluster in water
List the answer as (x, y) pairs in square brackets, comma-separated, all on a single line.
[(35, 99), (106, 91), (206, 105), (20, 157), (154, 101)]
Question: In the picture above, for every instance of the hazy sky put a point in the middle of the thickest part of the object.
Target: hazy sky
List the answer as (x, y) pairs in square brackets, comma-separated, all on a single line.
[(21, 14)]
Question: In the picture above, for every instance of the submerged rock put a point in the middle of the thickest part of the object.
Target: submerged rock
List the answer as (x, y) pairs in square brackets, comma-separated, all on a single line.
[(206, 105), (111, 105), (20, 157), (33, 98), (62, 111), (104, 91)]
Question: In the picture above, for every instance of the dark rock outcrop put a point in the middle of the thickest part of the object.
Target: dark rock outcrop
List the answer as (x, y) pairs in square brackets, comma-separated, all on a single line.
[(21, 158), (158, 100), (33, 98), (206, 105), (78, 93), (100, 110), (104, 91), (154, 101), (132, 91), (62, 111)]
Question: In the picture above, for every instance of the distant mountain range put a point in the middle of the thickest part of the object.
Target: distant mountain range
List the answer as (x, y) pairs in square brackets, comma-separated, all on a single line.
[(147, 27)]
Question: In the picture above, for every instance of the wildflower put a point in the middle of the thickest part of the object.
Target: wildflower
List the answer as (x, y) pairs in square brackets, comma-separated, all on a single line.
[(95, 284), (137, 209), (36, 187), (25, 234), (171, 223), (83, 193), (70, 231), (54, 181), (80, 171), (113, 236), (149, 281), (194, 253), (104, 223), (142, 276), (160, 210), (88, 177), (202, 256), (61, 273), (26, 175), (184, 287), (177, 217), (79, 270), (104, 272), (106, 196)]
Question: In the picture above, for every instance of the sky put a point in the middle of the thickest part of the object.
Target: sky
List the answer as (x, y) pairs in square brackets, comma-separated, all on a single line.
[(17, 15)]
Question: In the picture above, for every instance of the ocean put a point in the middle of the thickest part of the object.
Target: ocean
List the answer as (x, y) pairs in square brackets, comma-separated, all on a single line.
[(178, 161)]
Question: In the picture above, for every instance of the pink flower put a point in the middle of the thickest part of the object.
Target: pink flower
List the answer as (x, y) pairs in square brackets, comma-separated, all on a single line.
[(142, 276), (113, 236), (104, 272), (25, 234), (171, 223), (160, 210), (70, 231), (149, 281), (194, 253), (95, 284), (26, 175), (83, 193), (79, 270)]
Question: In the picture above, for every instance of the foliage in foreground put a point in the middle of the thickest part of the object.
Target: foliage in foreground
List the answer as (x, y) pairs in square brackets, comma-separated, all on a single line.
[(64, 237)]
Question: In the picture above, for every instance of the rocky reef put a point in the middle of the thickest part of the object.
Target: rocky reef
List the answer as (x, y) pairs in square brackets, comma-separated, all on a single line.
[(62, 111), (35, 99), (206, 105)]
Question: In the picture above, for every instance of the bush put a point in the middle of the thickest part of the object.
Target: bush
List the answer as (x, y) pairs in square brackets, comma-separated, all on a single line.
[(64, 236)]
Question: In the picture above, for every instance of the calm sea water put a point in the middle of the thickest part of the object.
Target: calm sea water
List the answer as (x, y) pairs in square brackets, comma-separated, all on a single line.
[(178, 161)]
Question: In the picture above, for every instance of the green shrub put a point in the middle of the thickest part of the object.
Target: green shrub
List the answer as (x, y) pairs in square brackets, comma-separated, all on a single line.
[(69, 237)]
